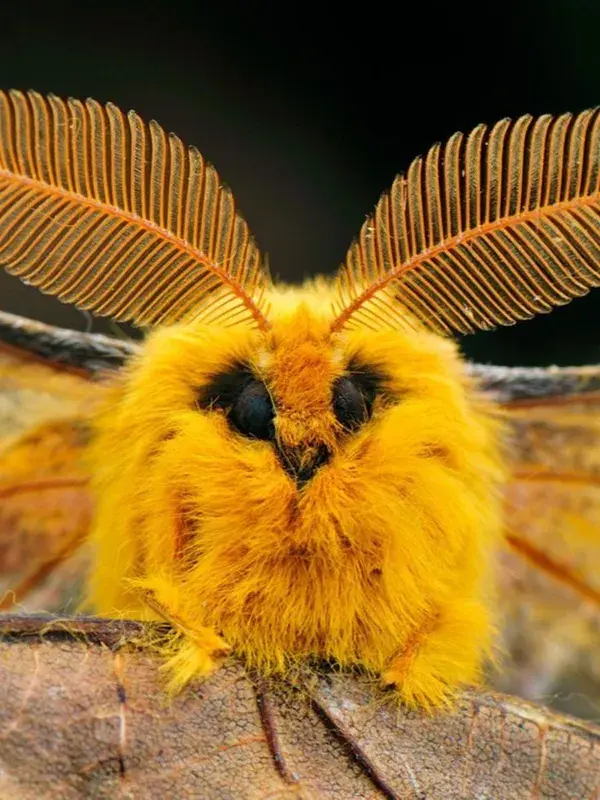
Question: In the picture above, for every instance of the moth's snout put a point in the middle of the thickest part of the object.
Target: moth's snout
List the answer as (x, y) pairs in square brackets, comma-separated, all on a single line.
[(301, 464)]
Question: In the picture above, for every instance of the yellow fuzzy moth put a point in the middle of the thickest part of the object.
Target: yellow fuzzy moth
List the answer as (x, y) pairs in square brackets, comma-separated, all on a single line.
[(297, 473)]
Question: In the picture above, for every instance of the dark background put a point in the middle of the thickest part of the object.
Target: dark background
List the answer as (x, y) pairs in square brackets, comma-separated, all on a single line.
[(308, 112)]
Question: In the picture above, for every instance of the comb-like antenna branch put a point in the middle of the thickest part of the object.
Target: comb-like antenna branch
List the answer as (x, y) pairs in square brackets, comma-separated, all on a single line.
[(118, 218), (492, 228)]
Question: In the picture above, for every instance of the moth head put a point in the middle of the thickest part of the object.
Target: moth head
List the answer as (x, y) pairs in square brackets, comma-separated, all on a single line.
[(296, 442), (298, 390)]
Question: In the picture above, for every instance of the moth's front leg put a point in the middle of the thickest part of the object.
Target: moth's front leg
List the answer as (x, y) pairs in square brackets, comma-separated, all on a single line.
[(445, 652), (193, 651)]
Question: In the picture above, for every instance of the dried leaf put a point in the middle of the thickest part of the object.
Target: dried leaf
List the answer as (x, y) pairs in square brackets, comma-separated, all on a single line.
[(83, 714)]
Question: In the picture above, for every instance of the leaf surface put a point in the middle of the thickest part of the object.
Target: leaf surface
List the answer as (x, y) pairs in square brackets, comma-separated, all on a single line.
[(83, 714)]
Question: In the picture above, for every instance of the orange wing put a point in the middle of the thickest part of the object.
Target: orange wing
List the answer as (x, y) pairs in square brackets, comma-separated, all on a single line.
[(49, 382), (550, 570)]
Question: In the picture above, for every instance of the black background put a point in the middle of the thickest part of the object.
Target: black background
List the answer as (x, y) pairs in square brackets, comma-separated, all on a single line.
[(308, 112)]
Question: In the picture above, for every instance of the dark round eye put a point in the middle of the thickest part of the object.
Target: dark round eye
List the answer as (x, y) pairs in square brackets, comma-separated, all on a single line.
[(349, 405), (252, 412)]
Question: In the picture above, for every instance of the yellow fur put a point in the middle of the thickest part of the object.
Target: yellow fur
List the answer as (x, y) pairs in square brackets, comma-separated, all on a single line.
[(381, 560)]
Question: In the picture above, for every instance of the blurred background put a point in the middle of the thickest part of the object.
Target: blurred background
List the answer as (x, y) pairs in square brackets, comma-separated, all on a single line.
[(309, 113)]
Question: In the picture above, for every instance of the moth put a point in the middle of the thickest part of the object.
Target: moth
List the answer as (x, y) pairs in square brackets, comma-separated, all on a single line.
[(303, 473)]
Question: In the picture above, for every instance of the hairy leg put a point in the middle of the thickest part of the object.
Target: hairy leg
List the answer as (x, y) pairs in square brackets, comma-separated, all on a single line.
[(448, 649), (192, 651)]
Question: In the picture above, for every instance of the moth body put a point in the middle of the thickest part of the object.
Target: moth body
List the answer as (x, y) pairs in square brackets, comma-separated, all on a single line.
[(299, 473), (301, 494)]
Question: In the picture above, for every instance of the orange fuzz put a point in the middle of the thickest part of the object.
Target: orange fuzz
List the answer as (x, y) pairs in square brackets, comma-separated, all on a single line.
[(299, 474), (300, 494)]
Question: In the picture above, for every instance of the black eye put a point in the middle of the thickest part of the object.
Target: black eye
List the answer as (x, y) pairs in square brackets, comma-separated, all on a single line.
[(349, 405), (243, 398), (252, 413)]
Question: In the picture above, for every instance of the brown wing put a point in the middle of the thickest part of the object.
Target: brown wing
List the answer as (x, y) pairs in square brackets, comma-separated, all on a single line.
[(550, 570), (49, 384)]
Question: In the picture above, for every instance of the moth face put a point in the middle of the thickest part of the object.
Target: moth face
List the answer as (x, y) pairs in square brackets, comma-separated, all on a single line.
[(298, 394)]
